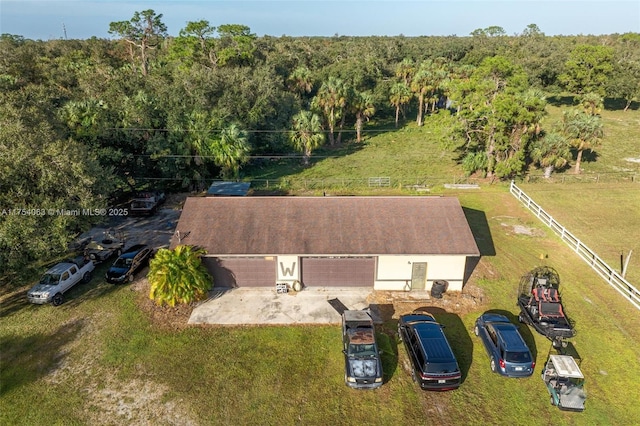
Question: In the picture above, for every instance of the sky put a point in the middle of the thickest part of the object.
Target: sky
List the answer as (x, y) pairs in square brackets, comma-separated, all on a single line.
[(81, 19)]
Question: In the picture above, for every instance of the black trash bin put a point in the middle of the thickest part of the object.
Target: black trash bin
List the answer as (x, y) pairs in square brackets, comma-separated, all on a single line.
[(438, 287)]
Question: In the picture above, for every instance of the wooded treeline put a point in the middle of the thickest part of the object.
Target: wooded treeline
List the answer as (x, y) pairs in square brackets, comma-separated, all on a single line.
[(82, 121)]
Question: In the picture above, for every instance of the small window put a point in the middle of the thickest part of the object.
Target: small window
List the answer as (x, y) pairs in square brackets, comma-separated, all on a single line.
[(419, 357), (492, 335), (65, 276), (73, 270)]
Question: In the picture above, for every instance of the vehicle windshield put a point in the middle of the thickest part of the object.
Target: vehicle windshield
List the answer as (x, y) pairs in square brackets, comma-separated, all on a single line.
[(141, 205), (122, 262), (50, 279), (362, 350), (517, 357)]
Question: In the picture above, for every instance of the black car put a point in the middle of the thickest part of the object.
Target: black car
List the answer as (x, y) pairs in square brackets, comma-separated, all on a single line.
[(433, 364), (129, 262), (363, 369), (508, 353)]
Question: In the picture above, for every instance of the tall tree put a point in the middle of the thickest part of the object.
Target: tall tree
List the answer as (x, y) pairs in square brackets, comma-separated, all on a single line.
[(231, 151), (400, 96), (584, 131), (236, 44), (420, 86), (331, 100), (42, 176), (405, 70), (363, 108), (625, 82), (588, 69), (301, 81), (307, 133), (144, 31), (195, 44), (498, 116)]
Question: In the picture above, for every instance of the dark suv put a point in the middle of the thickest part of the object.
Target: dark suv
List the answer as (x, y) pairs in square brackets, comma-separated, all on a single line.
[(508, 353), (129, 262), (433, 364), (363, 368)]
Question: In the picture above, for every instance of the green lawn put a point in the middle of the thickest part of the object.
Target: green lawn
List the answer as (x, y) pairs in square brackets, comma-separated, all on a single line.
[(98, 359)]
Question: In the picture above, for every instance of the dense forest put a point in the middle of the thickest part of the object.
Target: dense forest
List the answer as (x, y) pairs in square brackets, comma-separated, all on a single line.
[(84, 121)]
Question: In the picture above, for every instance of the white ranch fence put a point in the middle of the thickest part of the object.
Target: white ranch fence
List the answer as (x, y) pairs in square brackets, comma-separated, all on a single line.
[(613, 278)]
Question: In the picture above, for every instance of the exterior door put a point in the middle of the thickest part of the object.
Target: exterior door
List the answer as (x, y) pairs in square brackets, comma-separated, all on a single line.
[(418, 275)]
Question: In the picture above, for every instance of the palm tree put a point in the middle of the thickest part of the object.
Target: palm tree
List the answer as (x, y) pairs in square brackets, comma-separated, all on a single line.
[(551, 152), (307, 133), (178, 276), (584, 131), (592, 103), (331, 100), (420, 85), (301, 81), (231, 151), (364, 109), (405, 70), (199, 138), (400, 96)]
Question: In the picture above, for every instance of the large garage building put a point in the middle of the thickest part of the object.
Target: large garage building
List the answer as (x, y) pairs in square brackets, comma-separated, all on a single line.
[(387, 243)]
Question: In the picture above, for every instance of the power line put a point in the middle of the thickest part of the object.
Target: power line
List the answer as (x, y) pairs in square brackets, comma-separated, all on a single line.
[(144, 129)]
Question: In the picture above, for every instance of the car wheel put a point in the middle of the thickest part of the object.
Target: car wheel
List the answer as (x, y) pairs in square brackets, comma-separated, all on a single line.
[(553, 402), (57, 300), (86, 277), (476, 331), (493, 365), (557, 344)]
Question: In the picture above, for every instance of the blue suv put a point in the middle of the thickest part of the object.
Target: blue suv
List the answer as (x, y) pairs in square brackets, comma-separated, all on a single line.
[(509, 354)]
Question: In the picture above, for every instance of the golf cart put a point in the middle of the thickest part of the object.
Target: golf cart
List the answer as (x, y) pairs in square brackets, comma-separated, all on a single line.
[(564, 381), (541, 306)]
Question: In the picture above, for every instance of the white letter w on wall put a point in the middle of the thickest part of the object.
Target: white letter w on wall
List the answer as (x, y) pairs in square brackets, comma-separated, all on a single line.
[(288, 272)]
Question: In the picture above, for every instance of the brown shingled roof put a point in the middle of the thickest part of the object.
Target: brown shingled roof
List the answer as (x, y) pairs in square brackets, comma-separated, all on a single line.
[(326, 226)]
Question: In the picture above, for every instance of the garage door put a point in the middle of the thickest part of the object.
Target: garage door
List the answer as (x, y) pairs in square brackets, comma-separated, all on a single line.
[(338, 272), (242, 272)]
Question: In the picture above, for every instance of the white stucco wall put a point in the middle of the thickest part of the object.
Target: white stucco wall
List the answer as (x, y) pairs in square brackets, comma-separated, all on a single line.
[(394, 272)]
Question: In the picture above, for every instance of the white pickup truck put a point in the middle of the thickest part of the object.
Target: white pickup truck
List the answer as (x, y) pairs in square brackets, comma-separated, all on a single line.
[(59, 279)]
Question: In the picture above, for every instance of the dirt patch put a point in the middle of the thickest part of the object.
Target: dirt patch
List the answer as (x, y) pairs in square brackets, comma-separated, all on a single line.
[(135, 402), (391, 304), (514, 225), (164, 317)]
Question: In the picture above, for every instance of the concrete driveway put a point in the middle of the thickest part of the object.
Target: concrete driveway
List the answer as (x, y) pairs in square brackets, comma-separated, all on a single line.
[(238, 306)]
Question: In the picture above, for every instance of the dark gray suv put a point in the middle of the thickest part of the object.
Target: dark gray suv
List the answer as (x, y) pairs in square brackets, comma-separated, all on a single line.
[(433, 364)]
